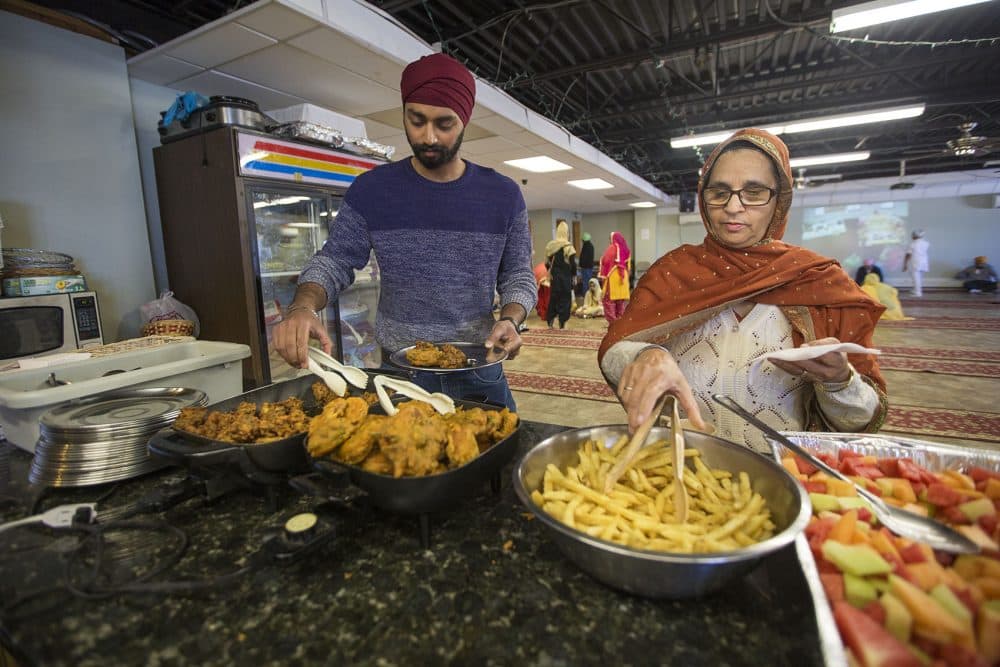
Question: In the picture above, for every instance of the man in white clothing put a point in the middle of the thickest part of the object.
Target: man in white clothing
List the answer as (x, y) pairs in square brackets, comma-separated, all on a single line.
[(916, 259)]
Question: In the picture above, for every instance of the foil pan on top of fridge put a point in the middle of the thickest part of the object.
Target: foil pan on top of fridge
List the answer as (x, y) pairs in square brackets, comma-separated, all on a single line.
[(307, 131), (934, 456)]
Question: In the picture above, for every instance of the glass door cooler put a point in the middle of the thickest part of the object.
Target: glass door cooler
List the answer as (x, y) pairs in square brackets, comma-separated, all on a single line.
[(242, 212)]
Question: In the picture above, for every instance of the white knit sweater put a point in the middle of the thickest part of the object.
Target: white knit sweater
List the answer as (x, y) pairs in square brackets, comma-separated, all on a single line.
[(724, 355)]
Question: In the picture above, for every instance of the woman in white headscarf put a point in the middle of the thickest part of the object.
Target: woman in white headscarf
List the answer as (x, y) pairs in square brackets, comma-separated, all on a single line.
[(559, 256), (592, 301)]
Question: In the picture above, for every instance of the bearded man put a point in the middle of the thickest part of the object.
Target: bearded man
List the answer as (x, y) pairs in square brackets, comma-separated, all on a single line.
[(446, 233)]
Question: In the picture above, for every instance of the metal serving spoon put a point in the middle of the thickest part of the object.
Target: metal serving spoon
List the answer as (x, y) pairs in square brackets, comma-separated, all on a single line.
[(906, 524)]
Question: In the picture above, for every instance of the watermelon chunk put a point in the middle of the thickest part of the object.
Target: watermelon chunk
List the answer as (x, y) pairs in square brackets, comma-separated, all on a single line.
[(870, 643)]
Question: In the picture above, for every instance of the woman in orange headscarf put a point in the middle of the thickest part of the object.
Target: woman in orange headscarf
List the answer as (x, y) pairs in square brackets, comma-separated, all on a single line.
[(615, 265), (703, 318)]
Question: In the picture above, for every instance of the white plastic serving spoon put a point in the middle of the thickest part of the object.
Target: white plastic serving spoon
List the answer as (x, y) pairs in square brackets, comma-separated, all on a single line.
[(331, 379), (355, 376)]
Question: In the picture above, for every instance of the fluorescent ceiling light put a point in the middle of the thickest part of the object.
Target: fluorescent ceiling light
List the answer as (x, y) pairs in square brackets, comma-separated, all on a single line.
[(539, 164), (833, 158), (844, 120), (823, 123), (591, 184), (699, 139), (883, 11), (643, 204)]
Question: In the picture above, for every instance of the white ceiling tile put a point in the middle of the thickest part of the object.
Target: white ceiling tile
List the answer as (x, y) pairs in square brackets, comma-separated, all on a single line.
[(220, 44), (376, 130), (348, 54), (488, 145), (499, 125), (278, 21), (311, 6), (215, 83), (320, 82), (161, 69)]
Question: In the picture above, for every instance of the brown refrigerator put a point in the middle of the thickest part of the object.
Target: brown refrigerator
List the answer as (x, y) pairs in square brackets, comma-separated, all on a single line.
[(241, 213)]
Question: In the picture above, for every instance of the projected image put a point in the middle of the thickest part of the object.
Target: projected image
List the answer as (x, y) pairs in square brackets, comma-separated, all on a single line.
[(856, 232)]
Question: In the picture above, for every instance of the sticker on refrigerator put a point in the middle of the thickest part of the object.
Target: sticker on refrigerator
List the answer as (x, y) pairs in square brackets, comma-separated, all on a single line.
[(268, 157)]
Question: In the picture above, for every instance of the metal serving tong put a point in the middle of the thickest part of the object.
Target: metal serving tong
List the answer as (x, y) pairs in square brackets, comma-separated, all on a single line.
[(903, 523)]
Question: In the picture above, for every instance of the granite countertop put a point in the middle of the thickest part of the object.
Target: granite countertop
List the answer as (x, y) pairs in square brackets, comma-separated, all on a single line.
[(492, 589)]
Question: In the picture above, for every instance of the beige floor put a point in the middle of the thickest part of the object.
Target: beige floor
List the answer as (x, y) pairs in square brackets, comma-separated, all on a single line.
[(913, 389)]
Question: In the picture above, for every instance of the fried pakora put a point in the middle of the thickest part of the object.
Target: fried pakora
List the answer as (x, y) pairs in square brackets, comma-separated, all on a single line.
[(429, 355), (339, 420), (414, 442), (247, 423)]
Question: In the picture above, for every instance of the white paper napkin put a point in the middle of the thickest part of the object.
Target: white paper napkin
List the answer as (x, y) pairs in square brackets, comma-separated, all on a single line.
[(813, 351)]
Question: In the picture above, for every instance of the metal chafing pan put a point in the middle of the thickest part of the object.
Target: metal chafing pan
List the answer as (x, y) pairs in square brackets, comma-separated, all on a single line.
[(429, 493), (933, 456), (285, 456)]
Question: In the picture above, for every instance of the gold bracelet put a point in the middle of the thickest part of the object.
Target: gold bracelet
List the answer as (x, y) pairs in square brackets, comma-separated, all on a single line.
[(834, 387), (295, 307)]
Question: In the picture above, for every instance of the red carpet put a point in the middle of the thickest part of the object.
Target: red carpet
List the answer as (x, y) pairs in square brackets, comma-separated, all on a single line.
[(913, 359), (902, 419)]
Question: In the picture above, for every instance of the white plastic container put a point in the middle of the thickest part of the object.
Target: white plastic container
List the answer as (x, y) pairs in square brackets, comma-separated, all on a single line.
[(25, 395), (347, 126)]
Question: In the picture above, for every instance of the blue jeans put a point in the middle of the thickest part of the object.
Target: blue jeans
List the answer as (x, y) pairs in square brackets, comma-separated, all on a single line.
[(482, 383)]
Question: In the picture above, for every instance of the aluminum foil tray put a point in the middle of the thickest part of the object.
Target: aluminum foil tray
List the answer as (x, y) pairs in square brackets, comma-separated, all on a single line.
[(934, 456), (301, 129)]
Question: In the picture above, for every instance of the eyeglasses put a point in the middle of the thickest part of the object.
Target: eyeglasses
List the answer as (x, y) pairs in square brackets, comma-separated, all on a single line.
[(755, 196)]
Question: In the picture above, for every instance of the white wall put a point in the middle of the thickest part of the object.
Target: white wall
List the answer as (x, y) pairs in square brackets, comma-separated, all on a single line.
[(600, 226), (148, 100), (69, 177)]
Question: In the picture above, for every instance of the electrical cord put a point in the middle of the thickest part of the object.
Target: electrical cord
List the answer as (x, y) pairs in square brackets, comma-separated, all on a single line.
[(82, 580)]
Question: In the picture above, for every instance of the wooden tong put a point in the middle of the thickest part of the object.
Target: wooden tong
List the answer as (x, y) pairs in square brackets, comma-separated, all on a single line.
[(635, 444), (677, 449)]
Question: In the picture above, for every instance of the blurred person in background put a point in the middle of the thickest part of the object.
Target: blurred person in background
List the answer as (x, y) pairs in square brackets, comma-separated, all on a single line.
[(887, 295), (917, 260), (544, 284), (704, 317), (586, 263), (561, 260), (978, 278), (593, 305), (868, 267), (615, 272)]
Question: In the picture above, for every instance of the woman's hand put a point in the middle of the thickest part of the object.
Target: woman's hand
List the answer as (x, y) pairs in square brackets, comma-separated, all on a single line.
[(831, 367), (653, 373), (290, 337)]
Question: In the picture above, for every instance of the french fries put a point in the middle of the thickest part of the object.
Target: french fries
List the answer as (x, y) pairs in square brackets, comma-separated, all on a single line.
[(724, 514)]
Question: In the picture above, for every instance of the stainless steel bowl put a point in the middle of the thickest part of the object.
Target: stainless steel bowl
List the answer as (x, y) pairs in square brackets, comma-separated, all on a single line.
[(659, 574)]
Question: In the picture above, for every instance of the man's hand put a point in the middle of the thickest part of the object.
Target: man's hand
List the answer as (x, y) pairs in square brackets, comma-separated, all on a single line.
[(290, 337), (504, 336), (653, 373)]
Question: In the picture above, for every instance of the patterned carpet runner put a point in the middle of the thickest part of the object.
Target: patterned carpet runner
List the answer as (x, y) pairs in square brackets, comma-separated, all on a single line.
[(910, 420)]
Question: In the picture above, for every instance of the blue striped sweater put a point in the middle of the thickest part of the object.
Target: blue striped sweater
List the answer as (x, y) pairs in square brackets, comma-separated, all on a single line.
[(442, 250)]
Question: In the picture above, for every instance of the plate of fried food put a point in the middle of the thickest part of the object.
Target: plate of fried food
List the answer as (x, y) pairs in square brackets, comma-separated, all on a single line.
[(446, 357)]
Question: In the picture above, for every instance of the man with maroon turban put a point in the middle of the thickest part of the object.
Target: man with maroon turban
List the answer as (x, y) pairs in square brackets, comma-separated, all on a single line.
[(447, 233)]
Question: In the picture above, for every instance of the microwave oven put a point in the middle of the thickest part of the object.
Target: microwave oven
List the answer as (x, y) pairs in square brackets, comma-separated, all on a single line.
[(32, 326)]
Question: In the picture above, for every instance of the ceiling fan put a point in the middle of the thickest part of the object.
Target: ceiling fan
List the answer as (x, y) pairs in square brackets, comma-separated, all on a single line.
[(965, 146), (803, 181), (902, 184)]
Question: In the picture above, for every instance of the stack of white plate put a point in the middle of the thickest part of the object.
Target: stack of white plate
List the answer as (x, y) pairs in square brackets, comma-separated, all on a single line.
[(103, 438)]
